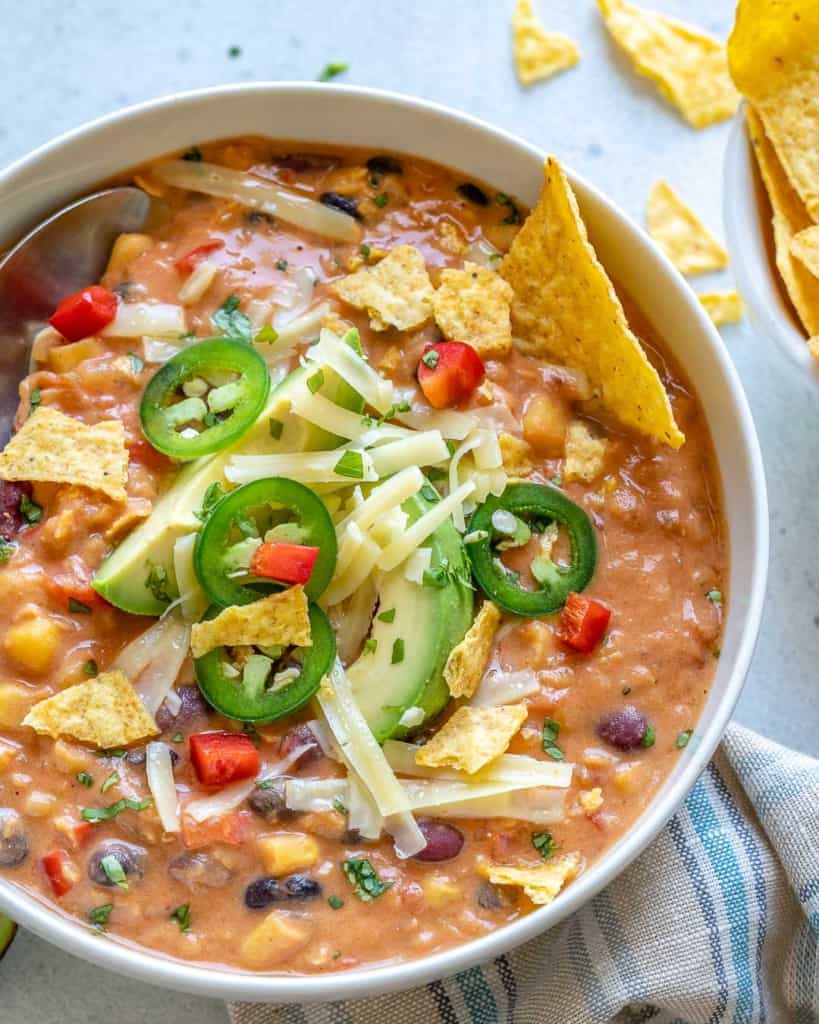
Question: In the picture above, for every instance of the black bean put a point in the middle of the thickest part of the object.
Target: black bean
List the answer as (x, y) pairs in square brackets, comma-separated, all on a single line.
[(344, 204), (256, 217), (302, 887), (131, 858), (199, 869), (264, 891), (193, 706), (301, 736), (384, 165), (11, 519), (137, 757), (268, 800), (444, 841), (14, 844), (624, 728), (473, 194)]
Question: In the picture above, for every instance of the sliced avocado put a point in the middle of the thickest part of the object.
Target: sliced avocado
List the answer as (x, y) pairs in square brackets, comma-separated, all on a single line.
[(8, 929), (146, 555), (427, 623)]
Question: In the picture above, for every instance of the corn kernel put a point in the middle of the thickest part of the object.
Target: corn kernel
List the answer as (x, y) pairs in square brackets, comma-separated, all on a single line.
[(285, 852), (627, 778), (126, 249), (8, 752), (64, 358), (15, 702), (544, 423), (39, 804), (277, 938), (439, 890), (70, 758), (591, 800), (33, 644)]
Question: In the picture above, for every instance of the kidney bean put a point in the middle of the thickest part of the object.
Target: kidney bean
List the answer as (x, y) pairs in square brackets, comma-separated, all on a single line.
[(301, 736), (11, 520), (132, 860), (14, 844), (624, 728), (344, 204), (302, 887), (264, 891), (199, 869), (444, 841), (193, 706)]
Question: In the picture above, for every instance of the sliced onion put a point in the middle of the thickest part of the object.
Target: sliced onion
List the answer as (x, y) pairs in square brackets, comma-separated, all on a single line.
[(155, 350), (298, 297), (136, 319), (159, 770), (314, 794)]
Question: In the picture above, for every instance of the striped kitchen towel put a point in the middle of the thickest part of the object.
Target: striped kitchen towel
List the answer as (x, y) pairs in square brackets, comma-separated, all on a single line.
[(718, 921)]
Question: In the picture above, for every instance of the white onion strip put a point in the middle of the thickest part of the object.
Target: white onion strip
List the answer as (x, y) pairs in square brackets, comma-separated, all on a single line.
[(159, 770)]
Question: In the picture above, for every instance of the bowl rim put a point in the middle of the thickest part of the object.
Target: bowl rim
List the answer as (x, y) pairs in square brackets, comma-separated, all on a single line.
[(208, 980)]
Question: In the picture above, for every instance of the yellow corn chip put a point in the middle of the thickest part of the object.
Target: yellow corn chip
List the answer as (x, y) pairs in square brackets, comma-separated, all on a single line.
[(722, 307), (58, 449), (472, 305), (805, 247), (585, 453), (689, 67), (397, 292), (278, 620), (516, 455), (467, 661), (681, 234), (789, 219), (565, 308), (472, 737), (540, 883), (105, 711), (538, 54), (773, 52)]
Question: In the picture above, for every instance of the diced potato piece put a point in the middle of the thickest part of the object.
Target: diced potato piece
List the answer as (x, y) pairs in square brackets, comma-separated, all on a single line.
[(286, 852), (627, 778), (277, 938), (16, 701), (544, 423), (440, 890), (39, 804), (70, 758), (63, 358), (8, 752), (32, 644), (126, 249)]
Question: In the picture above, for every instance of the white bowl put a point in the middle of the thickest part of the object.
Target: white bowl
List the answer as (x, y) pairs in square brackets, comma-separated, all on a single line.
[(77, 161), (748, 230)]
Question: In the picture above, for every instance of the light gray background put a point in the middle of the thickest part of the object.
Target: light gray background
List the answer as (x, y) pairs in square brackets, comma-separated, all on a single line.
[(65, 61)]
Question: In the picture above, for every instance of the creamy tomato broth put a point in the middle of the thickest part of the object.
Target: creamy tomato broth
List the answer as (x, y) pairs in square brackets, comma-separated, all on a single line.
[(255, 883)]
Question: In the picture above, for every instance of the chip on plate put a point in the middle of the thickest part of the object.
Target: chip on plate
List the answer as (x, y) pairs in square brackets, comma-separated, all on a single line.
[(722, 307), (397, 292), (105, 711), (278, 620), (565, 308), (584, 453), (538, 54), (540, 883), (681, 234), (472, 305), (472, 737), (516, 454), (467, 661), (53, 448), (689, 67), (805, 247)]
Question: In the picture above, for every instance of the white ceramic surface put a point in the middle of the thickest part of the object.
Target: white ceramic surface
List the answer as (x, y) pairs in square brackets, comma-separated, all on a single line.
[(75, 162)]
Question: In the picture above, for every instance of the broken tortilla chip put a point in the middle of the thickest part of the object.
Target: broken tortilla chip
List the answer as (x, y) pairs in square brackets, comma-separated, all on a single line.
[(540, 883), (773, 52), (722, 307), (278, 620), (516, 455), (538, 54), (585, 453), (689, 67), (397, 292), (789, 218), (681, 234), (472, 305), (472, 738), (805, 247), (467, 661), (53, 448), (105, 711), (566, 309)]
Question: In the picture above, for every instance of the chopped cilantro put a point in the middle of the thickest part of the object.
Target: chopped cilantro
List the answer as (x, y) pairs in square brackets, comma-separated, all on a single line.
[(381, 200), (30, 510), (177, 738), (430, 358), (626, 691), (649, 737), (316, 381), (112, 780), (397, 651), (338, 805), (683, 738), (34, 400), (6, 550), (234, 51), (110, 752), (231, 321), (77, 607), (213, 495), (336, 902), (98, 916), (370, 645), (114, 871), (85, 779), (281, 265), (268, 335), (194, 155), (363, 878), (276, 428), (157, 582), (332, 70), (364, 251), (551, 730), (714, 596), (95, 814), (182, 916), (351, 464), (387, 616), (544, 843)]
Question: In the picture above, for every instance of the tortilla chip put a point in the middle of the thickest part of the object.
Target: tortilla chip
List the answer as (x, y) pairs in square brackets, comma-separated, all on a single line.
[(472, 738), (472, 305), (450, 237), (584, 453), (53, 448), (566, 309), (681, 234), (397, 292), (538, 54), (774, 58), (278, 620), (467, 661), (789, 218), (689, 67), (722, 307), (540, 883), (105, 711), (805, 247), (516, 455)]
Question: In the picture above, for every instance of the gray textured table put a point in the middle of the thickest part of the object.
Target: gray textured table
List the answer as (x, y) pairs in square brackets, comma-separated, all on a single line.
[(65, 62)]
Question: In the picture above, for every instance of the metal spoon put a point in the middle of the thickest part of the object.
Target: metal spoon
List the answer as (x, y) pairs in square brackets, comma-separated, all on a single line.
[(65, 253)]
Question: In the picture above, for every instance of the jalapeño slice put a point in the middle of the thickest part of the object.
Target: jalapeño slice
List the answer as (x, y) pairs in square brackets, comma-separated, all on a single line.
[(272, 509), (535, 506), (204, 398), (249, 692)]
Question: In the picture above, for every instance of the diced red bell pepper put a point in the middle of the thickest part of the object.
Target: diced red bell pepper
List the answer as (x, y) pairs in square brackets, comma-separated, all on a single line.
[(85, 313), (289, 563), (448, 372), (234, 829), (222, 757), (59, 871), (583, 623), (187, 264), (66, 589)]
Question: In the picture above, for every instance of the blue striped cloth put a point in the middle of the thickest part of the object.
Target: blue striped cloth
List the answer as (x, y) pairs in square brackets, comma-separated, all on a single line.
[(718, 921)]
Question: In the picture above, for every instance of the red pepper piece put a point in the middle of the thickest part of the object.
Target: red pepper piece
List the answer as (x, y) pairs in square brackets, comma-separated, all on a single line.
[(84, 313), (289, 563), (448, 372), (187, 264), (59, 871), (583, 623), (222, 757)]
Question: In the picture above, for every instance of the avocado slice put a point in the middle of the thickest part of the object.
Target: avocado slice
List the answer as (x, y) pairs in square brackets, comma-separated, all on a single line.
[(8, 929), (428, 622), (122, 578)]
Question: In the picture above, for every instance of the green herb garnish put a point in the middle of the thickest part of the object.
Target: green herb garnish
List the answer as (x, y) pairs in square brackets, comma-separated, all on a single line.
[(34, 400), (114, 872), (98, 916), (370, 645), (338, 805), (77, 607), (430, 358), (364, 250), (626, 691), (6, 550), (30, 510), (157, 582), (387, 616), (397, 652), (85, 779), (137, 364), (649, 737), (351, 464), (112, 780), (336, 902), (332, 71), (182, 916), (551, 730), (544, 843), (714, 596), (96, 814), (683, 738), (281, 265), (234, 51), (177, 737), (363, 878), (231, 321), (381, 200)]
